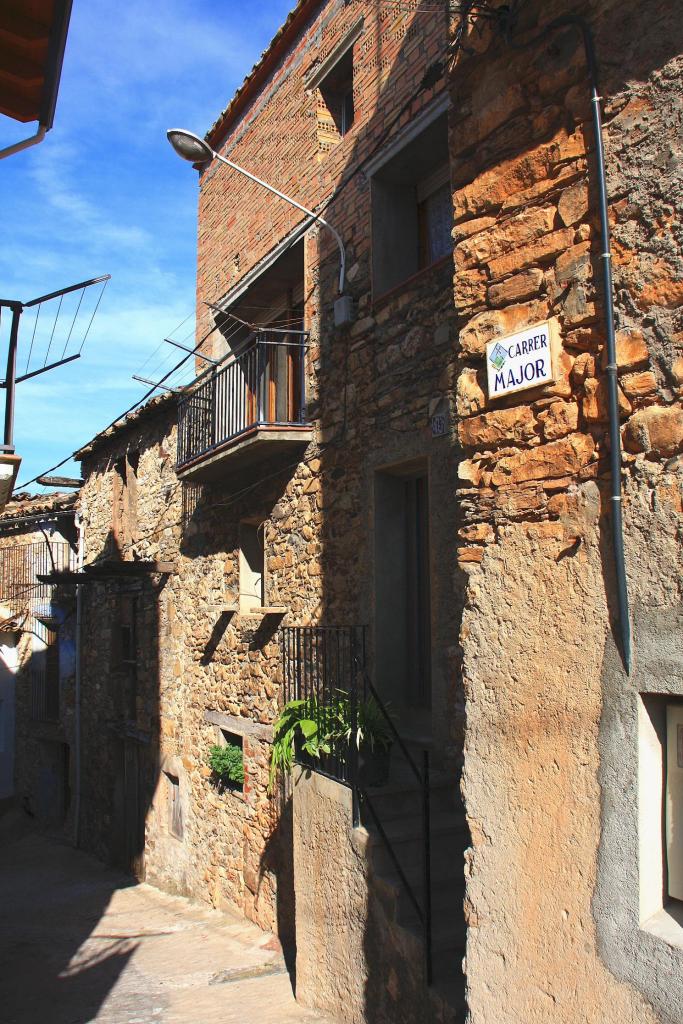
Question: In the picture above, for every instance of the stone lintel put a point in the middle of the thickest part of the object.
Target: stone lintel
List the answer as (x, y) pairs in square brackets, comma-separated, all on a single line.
[(239, 725)]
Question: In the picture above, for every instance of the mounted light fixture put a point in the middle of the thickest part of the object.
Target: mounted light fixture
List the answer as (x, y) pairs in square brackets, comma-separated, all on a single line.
[(197, 151)]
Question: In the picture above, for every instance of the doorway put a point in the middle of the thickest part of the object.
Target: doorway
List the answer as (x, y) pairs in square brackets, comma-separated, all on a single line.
[(403, 641)]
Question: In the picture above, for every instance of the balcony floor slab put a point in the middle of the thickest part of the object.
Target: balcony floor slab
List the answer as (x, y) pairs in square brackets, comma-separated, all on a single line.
[(260, 444)]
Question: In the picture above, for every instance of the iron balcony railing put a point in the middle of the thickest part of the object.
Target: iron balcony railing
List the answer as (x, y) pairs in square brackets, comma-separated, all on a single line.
[(20, 566), (322, 664), (263, 386)]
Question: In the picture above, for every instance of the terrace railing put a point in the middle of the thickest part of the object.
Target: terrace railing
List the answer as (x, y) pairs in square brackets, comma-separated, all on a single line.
[(263, 386)]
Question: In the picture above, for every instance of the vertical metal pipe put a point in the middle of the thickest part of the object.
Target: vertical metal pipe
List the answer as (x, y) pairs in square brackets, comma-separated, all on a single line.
[(11, 376), (77, 687), (427, 865), (575, 21), (302, 379), (353, 752)]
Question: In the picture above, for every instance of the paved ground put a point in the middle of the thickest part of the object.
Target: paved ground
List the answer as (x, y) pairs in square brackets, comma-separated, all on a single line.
[(80, 942)]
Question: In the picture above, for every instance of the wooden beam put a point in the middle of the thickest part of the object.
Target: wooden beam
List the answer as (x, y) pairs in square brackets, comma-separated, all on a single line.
[(59, 481)]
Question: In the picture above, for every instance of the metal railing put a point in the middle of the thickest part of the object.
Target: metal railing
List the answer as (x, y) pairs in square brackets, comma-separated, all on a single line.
[(21, 564), (320, 664), (262, 386)]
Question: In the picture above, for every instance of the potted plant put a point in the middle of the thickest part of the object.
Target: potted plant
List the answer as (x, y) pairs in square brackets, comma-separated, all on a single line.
[(316, 728), (227, 764)]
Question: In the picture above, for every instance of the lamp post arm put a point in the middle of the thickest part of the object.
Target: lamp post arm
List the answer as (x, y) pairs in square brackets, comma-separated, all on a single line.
[(293, 202)]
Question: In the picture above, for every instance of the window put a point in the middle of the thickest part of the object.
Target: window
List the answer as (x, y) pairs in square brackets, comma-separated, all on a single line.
[(175, 812), (336, 91), (333, 80), (412, 213), (434, 217), (252, 567), (660, 810), (45, 676), (232, 747)]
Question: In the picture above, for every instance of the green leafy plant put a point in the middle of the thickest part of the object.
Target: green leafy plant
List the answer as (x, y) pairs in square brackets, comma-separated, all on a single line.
[(320, 727), (299, 719), (227, 763)]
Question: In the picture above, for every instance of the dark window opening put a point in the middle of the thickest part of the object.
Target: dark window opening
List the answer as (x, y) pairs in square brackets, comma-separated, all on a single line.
[(45, 680), (252, 567), (336, 90), (412, 210)]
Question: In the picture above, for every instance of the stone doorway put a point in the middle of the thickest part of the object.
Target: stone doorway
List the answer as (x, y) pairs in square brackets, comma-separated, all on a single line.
[(403, 586)]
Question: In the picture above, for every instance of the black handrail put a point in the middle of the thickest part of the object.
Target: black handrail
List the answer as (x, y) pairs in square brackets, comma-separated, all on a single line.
[(322, 662), (424, 912), (261, 385)]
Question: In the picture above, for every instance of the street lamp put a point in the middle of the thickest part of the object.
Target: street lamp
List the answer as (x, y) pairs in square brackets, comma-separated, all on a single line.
[(190, 147)]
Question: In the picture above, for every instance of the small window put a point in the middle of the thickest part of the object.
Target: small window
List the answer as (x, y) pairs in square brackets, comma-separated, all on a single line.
[(227, 760), (252, 567), (45, 678), (412, 210), (332, 78), (336, 91), (175, 813)]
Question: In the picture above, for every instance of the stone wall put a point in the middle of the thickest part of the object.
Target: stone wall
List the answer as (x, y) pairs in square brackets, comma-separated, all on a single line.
[(538, 624)]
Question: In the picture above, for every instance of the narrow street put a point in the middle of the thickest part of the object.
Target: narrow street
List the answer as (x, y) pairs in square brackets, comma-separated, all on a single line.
[(80, 942)]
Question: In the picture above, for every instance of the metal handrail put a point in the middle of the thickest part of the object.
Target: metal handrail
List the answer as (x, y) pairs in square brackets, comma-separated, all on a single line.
[(237, 395), (306, 653)]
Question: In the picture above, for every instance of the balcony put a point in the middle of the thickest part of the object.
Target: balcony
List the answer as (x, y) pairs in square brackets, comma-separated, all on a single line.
[(249, 408)]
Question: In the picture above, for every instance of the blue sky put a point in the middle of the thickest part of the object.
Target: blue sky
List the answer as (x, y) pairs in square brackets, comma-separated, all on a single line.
[(104, 193)]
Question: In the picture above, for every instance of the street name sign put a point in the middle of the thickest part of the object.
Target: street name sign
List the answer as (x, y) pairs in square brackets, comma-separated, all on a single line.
[(522, 360)]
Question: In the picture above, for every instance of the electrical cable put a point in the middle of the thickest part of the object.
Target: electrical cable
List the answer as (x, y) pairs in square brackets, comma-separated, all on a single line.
[(122, 415), (35, 324), (97, 306), (73, 322)]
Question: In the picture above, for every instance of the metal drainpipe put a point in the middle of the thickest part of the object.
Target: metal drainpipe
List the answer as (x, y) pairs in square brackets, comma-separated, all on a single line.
[(576, 21), (17, 147), (77, 695)]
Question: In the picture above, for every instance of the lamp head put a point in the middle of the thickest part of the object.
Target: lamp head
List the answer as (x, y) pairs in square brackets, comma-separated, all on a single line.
[(189, 146)]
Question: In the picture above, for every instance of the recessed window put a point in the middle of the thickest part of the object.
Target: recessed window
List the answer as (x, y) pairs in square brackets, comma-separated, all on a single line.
[(660, 811), (412, 213), (252, 567), (336, 91), (226, 759), (332, 80), (175, 812), (45, 678)]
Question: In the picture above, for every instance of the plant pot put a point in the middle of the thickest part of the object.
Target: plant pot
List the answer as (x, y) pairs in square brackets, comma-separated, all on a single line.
[(374, 766)]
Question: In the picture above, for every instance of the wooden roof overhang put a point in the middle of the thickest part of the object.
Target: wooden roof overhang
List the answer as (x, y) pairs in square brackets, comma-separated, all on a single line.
[(107, 571), (32, 41)]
